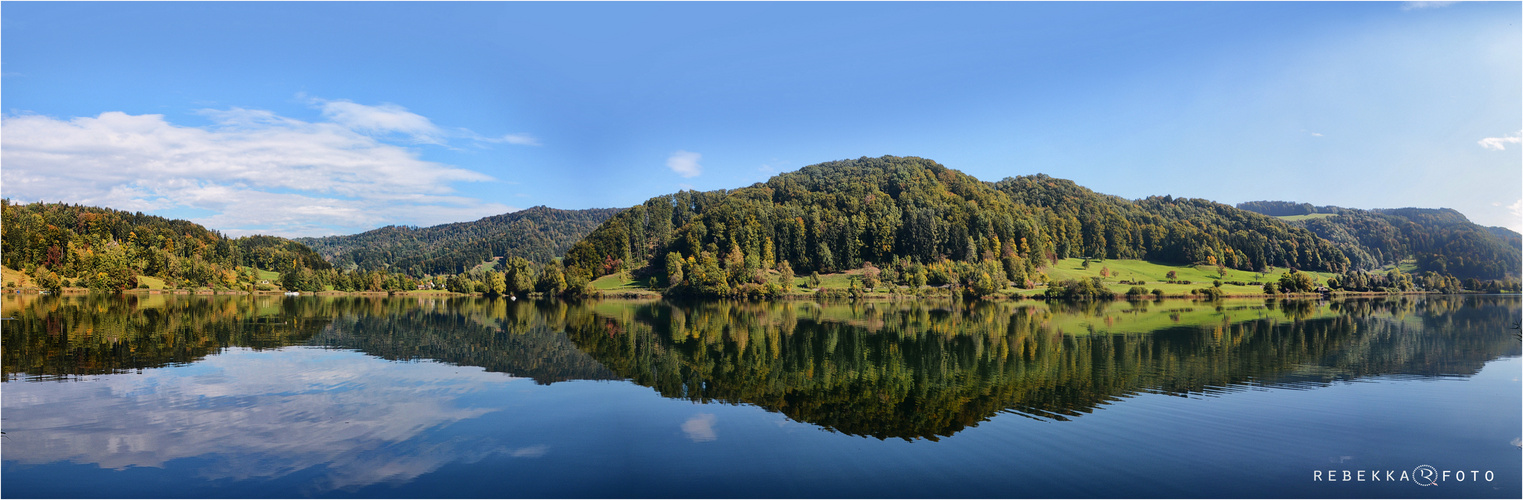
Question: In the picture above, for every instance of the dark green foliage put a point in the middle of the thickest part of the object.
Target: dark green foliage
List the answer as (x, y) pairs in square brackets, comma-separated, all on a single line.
[(552, 280), (519, 275), (1078, 290), (537, 234), (1299, 282), (1286, 208), (1212, 293), (301, 280), (984, 279), (1277, 208)]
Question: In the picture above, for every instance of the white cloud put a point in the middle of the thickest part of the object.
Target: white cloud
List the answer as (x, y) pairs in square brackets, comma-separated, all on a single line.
[(700, 428), (685, 163), (386, 118), (254, 170), (1314, 134), (1423, 5), (1500, 143)]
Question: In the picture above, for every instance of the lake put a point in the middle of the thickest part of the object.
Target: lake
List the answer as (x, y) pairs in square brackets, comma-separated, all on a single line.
[(261, 396)]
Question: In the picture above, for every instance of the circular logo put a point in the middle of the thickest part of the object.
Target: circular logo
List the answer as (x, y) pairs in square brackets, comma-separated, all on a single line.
[(1425, 475)]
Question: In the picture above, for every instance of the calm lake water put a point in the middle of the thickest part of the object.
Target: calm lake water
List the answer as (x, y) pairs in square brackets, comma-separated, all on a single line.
[(177, 396)]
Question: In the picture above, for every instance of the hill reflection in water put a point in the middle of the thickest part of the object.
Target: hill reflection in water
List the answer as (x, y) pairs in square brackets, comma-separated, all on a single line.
[(911, 370), (882, 369)]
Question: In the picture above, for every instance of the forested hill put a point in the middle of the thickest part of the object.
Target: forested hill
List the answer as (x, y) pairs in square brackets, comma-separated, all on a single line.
[(1441, 240), (839, 215), (108, 249), (538, 234)]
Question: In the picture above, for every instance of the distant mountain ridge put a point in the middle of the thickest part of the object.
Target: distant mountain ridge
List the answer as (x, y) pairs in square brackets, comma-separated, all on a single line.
[(538, 234), (1440, 239)]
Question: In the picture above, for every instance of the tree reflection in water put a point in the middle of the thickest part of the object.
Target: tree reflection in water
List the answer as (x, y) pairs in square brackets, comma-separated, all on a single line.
[(911, 370), (883, 369)]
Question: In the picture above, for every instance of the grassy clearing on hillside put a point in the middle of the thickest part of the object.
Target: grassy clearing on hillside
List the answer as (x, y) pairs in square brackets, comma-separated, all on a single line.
[(14, 278), (613, 283), (831, 281), (1303, 217), (487, 266), (152, 282), (1408, 266), (1156, 275)]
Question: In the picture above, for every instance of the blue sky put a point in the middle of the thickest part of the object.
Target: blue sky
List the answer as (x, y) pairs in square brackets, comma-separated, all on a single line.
[(304, 119)]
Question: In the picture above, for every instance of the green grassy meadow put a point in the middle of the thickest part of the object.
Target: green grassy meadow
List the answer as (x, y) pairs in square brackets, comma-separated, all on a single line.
[(15, 278), (1154, 274), (614, 283), (152, 282), (487, 266), (272, 276)]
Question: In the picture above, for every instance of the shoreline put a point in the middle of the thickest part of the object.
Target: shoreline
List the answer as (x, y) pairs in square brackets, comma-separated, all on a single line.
[(941, 293)]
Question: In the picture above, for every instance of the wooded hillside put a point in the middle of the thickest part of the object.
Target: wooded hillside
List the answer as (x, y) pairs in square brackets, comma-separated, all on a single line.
[(1441, 240), (840, 215), (107, 249), (537, 234)]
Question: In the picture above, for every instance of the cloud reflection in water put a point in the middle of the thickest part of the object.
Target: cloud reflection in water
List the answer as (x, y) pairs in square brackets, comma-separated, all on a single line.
[(261, 414)]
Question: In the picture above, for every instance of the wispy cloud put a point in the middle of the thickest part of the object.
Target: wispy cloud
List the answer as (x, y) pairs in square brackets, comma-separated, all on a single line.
[(515, 139), (685, 163), (520, 139), (1516, 209), (1423, 5), (530, 451), (773, 166), (1500, 143), (385, 118), (769, 169), (389, 120), (256, 171)]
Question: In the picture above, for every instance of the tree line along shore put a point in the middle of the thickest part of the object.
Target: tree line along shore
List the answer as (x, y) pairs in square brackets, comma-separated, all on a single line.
[(863, 227)]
